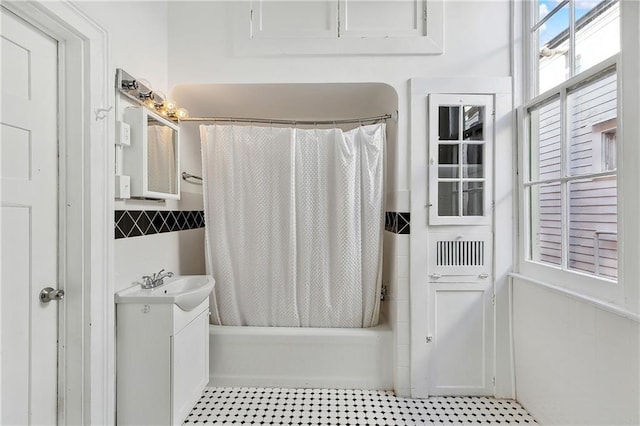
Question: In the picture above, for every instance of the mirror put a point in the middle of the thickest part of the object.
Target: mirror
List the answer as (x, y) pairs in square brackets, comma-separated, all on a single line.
[(153, 159)]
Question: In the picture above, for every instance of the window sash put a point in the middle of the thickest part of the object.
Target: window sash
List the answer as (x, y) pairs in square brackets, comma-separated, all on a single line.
[(532, 25), (594, 285)]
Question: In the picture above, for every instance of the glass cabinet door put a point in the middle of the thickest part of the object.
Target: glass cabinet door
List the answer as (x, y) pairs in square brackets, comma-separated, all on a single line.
[(460, 139)]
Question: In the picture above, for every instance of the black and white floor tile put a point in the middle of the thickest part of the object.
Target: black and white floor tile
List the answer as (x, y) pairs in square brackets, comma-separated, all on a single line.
[(277, 406)]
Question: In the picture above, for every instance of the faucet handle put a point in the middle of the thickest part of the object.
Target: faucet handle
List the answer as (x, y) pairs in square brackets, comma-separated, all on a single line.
[(147, 281)]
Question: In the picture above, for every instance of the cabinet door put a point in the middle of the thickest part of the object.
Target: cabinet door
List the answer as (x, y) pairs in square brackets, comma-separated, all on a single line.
[(190, 366), (294, 19), (460, 159), (461, 328), (382, 18)]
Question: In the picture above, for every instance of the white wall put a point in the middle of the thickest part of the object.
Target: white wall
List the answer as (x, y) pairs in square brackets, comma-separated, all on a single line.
[(202, 50), (576, 363), (139, 45)]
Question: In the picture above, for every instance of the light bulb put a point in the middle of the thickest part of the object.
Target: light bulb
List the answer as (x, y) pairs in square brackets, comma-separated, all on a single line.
[(158, 98), (182, 113), (169, 104), (144, 88)]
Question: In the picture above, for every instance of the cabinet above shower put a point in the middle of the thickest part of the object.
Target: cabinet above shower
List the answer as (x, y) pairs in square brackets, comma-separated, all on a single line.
[(340, 27)]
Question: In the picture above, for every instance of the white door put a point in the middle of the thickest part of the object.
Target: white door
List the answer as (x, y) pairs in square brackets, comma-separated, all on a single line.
[(29, 217), (460, 245)]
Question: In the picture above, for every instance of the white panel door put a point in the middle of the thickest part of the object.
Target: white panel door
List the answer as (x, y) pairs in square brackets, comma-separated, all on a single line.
[(294, 19), (461, 352), (29, 224), (375, 18)]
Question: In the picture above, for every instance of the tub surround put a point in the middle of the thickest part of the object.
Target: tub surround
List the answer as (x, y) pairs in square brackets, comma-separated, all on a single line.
[(347, 358), (398, 223), (135, 223)]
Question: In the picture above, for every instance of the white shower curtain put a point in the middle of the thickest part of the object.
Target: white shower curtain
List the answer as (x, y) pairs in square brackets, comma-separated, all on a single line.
[(294, 222)]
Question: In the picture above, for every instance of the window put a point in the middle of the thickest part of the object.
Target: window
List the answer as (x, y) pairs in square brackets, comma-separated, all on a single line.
[(569, 169), (460, 146), (608, 158), (569, 36), (572, 198)]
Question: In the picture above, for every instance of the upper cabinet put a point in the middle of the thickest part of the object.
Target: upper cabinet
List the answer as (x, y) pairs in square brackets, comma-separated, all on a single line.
[(460, 159), (341, 27)]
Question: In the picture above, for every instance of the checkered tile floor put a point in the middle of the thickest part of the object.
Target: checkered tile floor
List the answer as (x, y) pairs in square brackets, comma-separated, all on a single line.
[(266, 406)]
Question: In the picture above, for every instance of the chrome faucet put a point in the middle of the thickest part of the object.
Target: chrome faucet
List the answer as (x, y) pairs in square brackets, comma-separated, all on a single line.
[(155, 279)]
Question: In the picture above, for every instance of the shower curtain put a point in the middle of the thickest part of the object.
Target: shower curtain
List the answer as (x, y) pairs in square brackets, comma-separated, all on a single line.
[(294, 222)]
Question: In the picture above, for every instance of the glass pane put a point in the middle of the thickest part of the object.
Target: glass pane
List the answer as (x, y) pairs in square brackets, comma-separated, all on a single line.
[(473, 199), (545, 230), (448, 199), (448, 123), (597, 32), (592, 121), (543, 7), (552, 46), (593, 229), (545, 141), (473, 123), (472, 160), (448, 154), (448, 171)]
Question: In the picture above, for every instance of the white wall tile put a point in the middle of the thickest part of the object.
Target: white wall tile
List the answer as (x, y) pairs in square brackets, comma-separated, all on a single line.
[(403, 266), (575, 362), (181, 252), (402, 292), (403, 355), (402, 333), (403, 377), (402, 243), (403, 392), (402, 314)]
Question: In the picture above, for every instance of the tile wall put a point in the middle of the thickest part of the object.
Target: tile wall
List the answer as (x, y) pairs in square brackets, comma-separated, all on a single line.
[(396, 278)]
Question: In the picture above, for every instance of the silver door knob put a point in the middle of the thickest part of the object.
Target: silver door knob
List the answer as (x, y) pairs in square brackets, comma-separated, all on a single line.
[(48, 294)]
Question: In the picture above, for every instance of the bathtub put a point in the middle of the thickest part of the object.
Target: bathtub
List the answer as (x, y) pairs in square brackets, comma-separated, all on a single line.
[(342, 358)]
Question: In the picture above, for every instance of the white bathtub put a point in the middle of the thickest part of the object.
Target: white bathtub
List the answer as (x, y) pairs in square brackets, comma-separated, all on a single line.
[(301, 357)]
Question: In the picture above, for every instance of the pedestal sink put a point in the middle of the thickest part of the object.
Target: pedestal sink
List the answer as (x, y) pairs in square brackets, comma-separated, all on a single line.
[(185, 291)]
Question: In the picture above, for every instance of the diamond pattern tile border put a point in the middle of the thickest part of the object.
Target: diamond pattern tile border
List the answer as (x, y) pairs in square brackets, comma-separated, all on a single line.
[(277, 406), (136, 223), (398, 223)]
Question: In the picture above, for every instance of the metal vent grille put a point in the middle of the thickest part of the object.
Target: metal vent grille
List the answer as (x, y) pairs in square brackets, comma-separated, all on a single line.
[(460, 253)]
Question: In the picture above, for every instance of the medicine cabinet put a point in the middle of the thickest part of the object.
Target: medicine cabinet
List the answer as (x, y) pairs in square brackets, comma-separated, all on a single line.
[(153, 158)]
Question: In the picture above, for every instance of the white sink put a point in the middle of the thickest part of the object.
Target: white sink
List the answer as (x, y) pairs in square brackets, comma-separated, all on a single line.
[(185, 291)]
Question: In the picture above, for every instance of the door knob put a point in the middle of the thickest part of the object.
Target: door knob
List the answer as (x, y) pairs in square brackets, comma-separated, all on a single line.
[(48, 294)]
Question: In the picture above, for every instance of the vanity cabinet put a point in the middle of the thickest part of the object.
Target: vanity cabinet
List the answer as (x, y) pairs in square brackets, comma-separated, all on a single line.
[(162, 362)]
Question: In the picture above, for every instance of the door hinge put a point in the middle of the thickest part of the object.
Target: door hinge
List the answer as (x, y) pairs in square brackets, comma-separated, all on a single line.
[(424, 13), (493, 299), (493, 380)]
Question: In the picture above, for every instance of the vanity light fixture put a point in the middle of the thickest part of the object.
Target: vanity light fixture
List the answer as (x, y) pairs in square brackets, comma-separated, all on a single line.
[(140, 91)]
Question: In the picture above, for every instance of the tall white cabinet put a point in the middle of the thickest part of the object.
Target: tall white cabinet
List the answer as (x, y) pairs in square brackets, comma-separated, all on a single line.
[(461, 236)]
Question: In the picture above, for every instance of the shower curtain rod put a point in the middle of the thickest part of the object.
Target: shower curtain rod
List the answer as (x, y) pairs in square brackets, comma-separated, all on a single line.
[(294, 122)]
